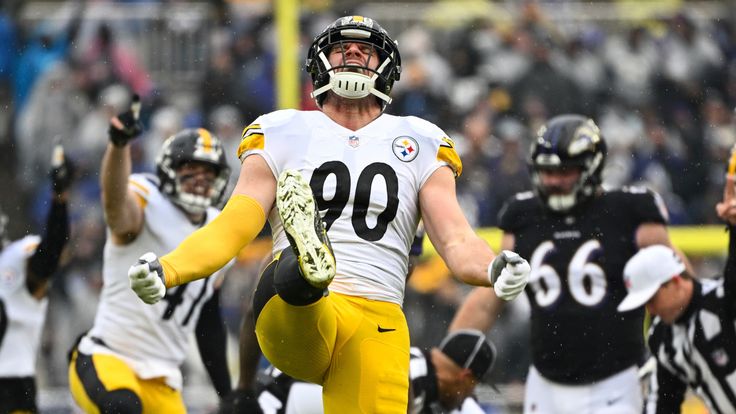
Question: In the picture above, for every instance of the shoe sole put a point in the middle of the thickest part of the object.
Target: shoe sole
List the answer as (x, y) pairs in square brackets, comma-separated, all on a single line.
[(296, 207)]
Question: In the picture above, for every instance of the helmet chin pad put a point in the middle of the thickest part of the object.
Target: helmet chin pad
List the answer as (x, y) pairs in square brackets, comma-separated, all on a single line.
[(192, 203), (351, 85), (560, 202)]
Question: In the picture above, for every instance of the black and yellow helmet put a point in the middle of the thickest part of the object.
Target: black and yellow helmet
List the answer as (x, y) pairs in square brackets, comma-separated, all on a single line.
[(192, 145), (350, 84)]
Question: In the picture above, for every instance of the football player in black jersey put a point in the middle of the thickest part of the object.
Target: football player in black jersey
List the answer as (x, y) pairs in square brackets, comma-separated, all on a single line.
[(578, 237)]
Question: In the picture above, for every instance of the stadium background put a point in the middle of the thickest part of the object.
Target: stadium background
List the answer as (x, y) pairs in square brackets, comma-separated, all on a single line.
[(658, 76)]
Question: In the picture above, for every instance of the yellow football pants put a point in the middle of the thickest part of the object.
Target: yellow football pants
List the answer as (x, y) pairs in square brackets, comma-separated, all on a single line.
[(357, 349), (104, 383)]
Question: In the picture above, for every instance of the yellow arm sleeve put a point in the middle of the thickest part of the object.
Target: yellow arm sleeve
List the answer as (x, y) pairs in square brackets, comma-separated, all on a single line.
[(211, 247)]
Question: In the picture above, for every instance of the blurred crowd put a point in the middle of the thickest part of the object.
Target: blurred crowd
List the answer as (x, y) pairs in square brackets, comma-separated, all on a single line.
[(662, 90)]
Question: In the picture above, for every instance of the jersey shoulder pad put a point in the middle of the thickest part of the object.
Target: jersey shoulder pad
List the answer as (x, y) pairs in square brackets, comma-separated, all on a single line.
[(423, 127), (253, 136), (643, 200), (13, 259), (26, 246), (446, 148), (517, 209), (635, 189), (143, 185)]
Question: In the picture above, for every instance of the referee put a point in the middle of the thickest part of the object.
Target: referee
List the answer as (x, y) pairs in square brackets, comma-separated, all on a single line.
[(693, 335)]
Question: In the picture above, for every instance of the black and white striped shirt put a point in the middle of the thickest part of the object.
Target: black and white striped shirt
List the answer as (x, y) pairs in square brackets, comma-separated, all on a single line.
[(699, 349)]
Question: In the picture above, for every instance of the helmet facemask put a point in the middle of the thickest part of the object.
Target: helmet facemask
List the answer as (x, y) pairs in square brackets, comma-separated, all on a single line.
[(195, 146), (348, 80), (196, 203)]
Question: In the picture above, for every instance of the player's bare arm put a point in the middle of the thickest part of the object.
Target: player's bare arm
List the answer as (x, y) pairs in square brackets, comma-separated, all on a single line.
[(481, 307), (465, 254), (123, 213), (649, 234), (468, 256), (256, 181)]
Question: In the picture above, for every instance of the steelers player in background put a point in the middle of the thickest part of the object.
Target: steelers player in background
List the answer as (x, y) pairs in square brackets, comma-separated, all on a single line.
[(578, 237), (362, 178), (26, 269), (129, 362)]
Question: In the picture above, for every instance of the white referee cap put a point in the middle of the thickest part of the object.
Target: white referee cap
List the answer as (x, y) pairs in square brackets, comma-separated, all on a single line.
[(646, 271)]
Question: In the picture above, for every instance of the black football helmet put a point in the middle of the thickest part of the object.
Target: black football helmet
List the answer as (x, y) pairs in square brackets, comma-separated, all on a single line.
[(192, 145), (350, 83), (568, 141)]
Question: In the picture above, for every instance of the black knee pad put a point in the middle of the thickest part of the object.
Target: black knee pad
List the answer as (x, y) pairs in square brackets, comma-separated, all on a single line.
[(282, 277), (291, 285), (265, 290)]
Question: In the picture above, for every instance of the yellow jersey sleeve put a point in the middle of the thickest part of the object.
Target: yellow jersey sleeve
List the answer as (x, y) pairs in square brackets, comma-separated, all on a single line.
[(448, 155), (252, 139)]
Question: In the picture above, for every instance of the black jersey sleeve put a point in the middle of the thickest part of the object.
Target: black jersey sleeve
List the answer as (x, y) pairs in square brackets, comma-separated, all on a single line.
[(45, 261), (511, 216), (646, 205)]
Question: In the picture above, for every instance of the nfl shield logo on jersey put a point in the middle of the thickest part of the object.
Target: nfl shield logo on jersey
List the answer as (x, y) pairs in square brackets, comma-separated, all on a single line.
[(405, 148), (353, 141)]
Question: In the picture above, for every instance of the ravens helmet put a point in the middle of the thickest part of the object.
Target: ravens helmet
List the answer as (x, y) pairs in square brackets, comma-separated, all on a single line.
[(192, 145), (350, 83), (568, 141)]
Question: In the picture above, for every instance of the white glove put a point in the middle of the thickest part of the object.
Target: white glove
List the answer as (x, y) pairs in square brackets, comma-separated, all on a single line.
[(508, 274), (147, 279)]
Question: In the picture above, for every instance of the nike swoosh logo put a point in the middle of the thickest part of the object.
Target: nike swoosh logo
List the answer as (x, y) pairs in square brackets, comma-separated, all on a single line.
[(382, 330)]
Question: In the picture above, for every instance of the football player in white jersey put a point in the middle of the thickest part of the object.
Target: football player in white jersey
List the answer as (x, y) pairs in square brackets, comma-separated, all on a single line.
[(129, 361), (364, 178), (26, 268)]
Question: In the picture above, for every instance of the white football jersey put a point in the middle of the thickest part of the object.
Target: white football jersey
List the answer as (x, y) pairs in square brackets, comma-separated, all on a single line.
[(21, 315), (366, 183), (151, 339)]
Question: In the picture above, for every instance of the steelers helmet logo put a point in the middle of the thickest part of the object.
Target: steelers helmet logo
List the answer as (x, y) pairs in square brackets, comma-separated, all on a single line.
[(405, 148)]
